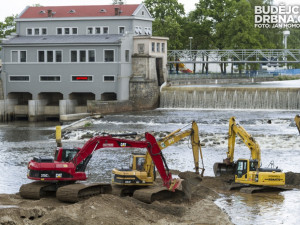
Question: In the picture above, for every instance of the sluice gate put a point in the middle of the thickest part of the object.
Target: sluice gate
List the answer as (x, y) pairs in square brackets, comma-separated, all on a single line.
[(230, 98)]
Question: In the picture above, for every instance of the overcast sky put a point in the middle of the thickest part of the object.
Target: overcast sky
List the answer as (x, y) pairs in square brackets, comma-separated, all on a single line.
[(13, 7)]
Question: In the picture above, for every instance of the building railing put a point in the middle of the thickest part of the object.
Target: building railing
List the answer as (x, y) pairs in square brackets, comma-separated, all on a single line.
[(187, 76), (235, 56)]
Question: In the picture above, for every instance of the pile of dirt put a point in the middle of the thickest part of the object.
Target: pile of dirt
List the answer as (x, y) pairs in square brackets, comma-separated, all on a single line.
[(112, 209), (292, 178)]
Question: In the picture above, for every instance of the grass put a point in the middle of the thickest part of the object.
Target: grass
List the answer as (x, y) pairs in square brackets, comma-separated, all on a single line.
[(88, 124), (286, 77)]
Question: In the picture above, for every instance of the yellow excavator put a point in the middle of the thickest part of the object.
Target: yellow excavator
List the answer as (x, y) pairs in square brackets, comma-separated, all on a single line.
[(247, 171), (297, 121), (142, 169)]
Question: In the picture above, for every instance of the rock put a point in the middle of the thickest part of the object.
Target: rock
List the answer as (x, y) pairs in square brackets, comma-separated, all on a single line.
[(87, 136)]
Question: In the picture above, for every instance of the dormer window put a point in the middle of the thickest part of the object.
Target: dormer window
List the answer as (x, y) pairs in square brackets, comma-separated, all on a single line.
[(72, 11), (102, 10), (42, 12), (143, 13)]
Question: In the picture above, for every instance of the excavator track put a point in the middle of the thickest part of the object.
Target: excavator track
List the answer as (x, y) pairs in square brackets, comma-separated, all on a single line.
[(75, 192), (151, 194), (35, 190)]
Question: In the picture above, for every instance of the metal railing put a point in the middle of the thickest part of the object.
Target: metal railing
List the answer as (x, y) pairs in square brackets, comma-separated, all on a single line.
[(264, 56)]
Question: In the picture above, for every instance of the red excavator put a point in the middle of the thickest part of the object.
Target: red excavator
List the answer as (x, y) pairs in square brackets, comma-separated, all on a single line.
[(59, 175)]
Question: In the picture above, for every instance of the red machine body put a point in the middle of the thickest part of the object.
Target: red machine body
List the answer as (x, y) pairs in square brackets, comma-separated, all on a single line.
[(70, 164)]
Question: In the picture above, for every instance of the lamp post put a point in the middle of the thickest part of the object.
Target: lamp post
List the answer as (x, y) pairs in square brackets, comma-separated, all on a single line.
[(191, 38), (286, 33)]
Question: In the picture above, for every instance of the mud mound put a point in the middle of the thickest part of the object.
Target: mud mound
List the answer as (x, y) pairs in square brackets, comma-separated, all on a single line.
[(292, 178)]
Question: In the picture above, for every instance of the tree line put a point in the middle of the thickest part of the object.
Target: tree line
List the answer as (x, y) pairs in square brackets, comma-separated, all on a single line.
[(213, 24), (216, 24)]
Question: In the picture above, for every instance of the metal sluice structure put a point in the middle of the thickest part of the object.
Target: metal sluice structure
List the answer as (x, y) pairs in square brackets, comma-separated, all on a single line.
[(235, 56)]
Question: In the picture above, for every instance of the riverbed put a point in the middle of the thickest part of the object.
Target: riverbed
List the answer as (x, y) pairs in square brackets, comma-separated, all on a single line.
[(274, 130)]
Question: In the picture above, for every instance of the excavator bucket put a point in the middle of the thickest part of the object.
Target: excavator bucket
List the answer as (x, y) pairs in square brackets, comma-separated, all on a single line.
[(297, 121), (221, 169), (175, 184)]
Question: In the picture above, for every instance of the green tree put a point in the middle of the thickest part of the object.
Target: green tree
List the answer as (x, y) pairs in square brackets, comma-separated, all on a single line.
[(168, 15), (160, 9), (8, 26)]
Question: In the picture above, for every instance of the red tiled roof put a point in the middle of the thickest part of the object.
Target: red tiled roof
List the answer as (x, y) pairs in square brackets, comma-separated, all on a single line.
[(78, 11)]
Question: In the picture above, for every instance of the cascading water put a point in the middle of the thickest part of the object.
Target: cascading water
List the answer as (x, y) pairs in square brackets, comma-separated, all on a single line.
[(230, 98)]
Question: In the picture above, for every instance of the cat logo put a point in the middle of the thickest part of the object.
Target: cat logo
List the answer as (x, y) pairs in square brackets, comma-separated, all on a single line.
[(123, 144)]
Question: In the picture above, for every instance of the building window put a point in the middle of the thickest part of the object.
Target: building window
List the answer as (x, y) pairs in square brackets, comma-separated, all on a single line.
[(109, 78), (153, 46), (82, 78), (105, 30), (59, 30), (36, 31), (49, 56), (23, 56), (74, 30), (121, 30), (90, 30), (143, 13), (19, 78), (74, 56), (47, 78), (18, 56), (67, 30), (162, 47), (58, 56), (158, 47), (14, 56), (44, 31), (29, 31), (127, 55), (41, 56), (109, 55), (82, 55), (91, 55), (98, 30)]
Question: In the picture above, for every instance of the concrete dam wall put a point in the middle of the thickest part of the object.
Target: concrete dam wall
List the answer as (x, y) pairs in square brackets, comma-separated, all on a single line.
[(230, 98)]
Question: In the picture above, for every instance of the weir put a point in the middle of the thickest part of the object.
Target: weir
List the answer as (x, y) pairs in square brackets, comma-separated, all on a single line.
[(230, 98)]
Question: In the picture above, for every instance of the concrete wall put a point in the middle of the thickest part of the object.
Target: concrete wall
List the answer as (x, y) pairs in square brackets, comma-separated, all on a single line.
[(144, 94), (195, 81), (108, 107), (1, 90)]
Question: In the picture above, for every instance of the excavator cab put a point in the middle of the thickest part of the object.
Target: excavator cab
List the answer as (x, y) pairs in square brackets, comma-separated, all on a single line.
[(65, 155), (135, 174), (138, 161)]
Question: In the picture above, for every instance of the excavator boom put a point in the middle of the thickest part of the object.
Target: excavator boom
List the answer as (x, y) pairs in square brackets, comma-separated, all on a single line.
[(178, 135), (228, 166), (247, 171), (297, 121)]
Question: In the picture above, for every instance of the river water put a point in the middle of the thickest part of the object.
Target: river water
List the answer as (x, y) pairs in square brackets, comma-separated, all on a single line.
[(274, 130)]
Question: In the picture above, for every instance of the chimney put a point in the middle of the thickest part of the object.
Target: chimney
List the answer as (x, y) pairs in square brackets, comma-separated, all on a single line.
[(117, 11), (49, 12)]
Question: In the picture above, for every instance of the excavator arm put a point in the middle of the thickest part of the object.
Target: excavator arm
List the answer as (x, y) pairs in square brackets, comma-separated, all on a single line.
[(175, 137), (178, 135), (236, 129), (228, 166), (99, 142)]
